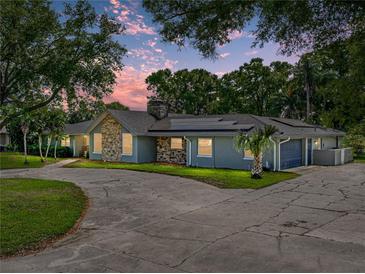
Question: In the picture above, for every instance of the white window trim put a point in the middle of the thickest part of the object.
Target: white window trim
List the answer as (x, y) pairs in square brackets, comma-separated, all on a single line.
[(127, 154), (94, 152), (204, 156)]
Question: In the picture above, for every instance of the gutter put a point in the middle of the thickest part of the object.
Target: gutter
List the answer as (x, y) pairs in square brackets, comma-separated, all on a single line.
[(189, 156), (282, 142), (271, 140)]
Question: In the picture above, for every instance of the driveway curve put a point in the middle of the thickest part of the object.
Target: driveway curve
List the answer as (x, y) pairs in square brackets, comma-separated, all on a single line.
[(145, 222)]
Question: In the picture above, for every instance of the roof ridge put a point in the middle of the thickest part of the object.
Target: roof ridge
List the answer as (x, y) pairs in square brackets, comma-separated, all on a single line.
[(257, 119)]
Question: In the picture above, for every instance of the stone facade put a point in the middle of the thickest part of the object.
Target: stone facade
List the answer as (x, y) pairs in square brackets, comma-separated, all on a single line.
[(168, 155), (111, 132)]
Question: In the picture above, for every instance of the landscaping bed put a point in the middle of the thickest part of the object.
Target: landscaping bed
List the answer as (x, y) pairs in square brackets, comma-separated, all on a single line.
[(222, 178), (36, 212)]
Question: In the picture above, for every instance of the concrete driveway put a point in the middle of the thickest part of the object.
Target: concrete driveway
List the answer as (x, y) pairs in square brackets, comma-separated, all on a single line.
[(142, 222)]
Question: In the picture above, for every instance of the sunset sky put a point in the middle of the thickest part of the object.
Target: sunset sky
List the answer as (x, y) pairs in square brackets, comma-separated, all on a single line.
[(146, 52)]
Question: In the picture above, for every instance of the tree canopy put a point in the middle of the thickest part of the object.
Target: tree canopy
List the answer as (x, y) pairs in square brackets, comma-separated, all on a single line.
[(295, 25), (184, 91), (45, 56)]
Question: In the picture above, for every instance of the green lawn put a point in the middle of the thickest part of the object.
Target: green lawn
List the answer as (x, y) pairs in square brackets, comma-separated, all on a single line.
[(223, 178), (360, 158), (35, 211), (16, 160)]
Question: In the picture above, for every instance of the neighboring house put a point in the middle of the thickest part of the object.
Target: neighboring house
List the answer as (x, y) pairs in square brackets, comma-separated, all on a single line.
[(203, 141), (4, 138)]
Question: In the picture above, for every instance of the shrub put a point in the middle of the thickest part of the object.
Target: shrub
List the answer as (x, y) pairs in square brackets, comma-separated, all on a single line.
[(62, 152), (355, 138)]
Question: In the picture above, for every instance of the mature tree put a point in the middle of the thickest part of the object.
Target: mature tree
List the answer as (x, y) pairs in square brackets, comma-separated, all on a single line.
[(184, 91), (88, 110), (254, 88), (46, 56), (116, 105), (258, 141), (295, 25), (338, 84), (355, 138), (84, 110)]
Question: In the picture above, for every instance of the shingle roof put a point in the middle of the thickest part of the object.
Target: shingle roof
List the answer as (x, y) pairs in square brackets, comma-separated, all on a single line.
[(142, 123), (138, 122), (286, 127), (77, 128)]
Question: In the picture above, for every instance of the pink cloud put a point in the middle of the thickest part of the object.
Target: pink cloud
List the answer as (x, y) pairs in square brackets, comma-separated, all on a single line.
[(239, 34), (115, 3), (220, 73), (170, 63), (224, 55), (133, 22), (235, 35), (151, 43), (130, 89), (250, 53), (158, 50)]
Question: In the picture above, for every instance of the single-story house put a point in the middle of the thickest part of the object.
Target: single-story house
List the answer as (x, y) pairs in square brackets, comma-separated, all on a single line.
[(202, 141)]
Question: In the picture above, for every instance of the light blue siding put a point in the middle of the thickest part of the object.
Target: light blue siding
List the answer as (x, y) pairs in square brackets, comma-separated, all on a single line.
[(225, 155), (146, 149), (92, 155)]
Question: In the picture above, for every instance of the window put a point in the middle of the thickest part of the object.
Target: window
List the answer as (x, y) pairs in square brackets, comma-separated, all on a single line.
[(65, 142), (176, 143), (247, 154), (97, 143), (317, 143), (205, 147), (127, 142), (85, 140)]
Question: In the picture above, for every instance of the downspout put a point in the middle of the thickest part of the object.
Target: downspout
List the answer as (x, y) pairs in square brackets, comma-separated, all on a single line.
[(189, 149), (287, 140), (271, 140)]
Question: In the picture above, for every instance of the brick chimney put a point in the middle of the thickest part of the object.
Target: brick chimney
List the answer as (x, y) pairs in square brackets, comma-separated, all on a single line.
[(157, 108)]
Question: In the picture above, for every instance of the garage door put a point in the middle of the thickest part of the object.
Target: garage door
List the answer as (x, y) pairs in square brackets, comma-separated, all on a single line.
[(291, 154)]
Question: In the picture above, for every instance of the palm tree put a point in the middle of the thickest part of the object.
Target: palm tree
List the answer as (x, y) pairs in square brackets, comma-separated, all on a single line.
[(257, 142)]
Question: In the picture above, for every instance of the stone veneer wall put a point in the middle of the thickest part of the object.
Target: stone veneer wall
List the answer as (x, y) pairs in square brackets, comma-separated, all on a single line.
[(111, 132), (168, 155)]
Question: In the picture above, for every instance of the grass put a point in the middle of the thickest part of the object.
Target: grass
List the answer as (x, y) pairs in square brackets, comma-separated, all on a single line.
[(360, 158), (34, 212), (9, 160), (222, 178)]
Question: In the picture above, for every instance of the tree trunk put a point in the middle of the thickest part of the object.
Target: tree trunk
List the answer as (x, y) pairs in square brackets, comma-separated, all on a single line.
[(48, 145), (40, 147), (306, 87), (55, 149), (256, 170), (25, 149)]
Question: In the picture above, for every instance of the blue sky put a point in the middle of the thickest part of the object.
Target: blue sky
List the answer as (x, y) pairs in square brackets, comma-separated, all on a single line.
[(146, 52)]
